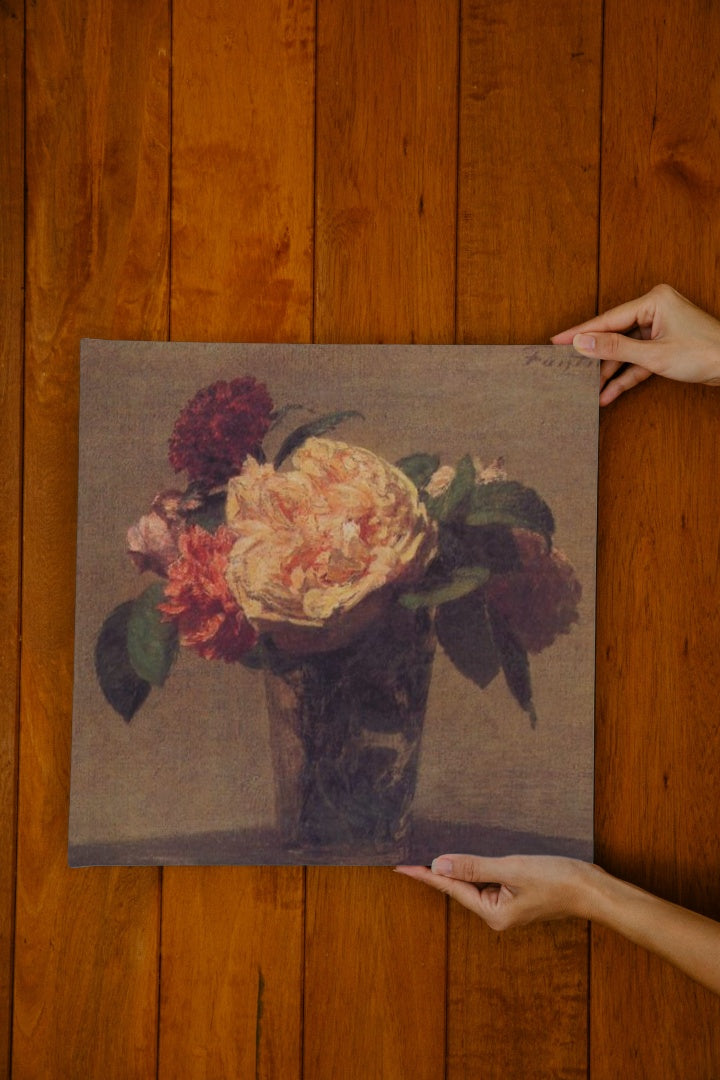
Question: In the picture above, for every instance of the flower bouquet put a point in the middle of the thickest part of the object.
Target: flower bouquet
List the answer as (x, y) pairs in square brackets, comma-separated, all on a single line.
[(334, 572)]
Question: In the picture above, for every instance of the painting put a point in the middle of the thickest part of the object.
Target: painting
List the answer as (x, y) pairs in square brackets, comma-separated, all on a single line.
[(335, 603)]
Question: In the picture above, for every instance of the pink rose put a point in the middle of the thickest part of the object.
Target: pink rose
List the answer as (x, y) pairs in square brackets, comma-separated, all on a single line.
[(317, 545)]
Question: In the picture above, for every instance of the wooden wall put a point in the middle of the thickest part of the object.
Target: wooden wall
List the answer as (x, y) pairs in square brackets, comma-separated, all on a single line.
[(358, 170)]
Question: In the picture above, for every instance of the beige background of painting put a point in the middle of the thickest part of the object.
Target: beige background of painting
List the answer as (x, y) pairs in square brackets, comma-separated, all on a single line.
[(196, 756)]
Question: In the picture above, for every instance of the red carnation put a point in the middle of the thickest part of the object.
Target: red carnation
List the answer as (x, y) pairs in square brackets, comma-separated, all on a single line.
[(197, 597), (217, 430), (539, 600)]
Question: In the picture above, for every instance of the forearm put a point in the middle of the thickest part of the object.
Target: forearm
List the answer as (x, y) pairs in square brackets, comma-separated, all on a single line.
[(685, 939)]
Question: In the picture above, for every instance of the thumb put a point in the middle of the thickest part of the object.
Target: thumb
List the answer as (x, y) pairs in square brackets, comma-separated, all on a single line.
[(470, 868), (620, 349)]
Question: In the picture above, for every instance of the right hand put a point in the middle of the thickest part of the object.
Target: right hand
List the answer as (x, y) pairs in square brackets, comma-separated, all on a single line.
[(668, 336), (513, 890)]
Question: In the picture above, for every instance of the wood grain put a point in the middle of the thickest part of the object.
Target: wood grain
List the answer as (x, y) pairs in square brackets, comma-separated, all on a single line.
[(231, 1000), (243, 127), (657, 790), (386, 171), (658, 755), (12, 224), (529, 158), (374, 976), (437, 216), (385, 256), (97, 232), (243, 144), (527, 242)]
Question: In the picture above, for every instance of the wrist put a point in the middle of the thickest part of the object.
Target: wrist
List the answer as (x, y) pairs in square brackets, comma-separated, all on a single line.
[(613, 902), (596, 893)]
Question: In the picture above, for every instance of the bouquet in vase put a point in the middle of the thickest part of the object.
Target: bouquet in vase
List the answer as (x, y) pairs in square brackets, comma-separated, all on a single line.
[(336, 572)]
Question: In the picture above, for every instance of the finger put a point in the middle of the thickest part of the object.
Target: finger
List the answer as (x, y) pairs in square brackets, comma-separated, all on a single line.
[(421, 873), (608, 368), (622, 317), (494, 908), (628, 378), (462, 891), (621, 349), (566, 337), (473, 868)]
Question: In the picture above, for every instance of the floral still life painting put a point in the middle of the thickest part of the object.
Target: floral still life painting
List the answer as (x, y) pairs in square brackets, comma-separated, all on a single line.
[(335, 604)]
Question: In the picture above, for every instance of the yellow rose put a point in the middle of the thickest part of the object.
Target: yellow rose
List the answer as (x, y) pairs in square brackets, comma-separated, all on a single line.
[(323, 540)]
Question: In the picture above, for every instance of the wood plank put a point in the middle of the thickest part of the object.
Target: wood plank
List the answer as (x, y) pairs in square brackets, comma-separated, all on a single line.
[(97, 237), (231, 1000), (527, 242), (529, 149), (658, 793), (12, 20), (386, 158), (385, 259), (374, 976), (243, 90), (243, 105)]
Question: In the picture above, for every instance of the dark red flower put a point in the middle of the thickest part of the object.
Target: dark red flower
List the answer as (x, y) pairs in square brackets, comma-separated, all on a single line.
[(217, 430), (197, 597), (539, 600)]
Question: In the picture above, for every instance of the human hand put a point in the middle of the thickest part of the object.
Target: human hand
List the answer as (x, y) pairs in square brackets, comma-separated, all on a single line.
[(514, 890), (521, 889), (667, 336)]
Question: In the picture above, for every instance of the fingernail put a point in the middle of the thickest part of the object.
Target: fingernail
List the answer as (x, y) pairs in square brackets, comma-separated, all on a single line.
[(442, 866), (584, 341)]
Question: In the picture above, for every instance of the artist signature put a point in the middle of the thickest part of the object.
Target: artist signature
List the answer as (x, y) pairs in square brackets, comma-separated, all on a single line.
[(561, 361)]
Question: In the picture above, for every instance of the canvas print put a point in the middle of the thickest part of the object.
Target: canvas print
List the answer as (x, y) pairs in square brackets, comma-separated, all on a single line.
[(335, 604)]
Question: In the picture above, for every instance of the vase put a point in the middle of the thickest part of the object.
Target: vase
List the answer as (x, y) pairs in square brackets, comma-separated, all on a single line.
[(345, 731)]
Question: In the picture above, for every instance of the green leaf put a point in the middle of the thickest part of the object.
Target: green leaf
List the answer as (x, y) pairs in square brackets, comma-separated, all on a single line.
[(123, 688), (314, 428), (505, 502), (419, 467), (515, 665), (465, 580), (461, 486), (464, 632), (152, 644)]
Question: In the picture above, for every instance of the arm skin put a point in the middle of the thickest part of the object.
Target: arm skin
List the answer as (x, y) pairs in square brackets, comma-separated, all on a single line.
[(521, 889), (660, 333)]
